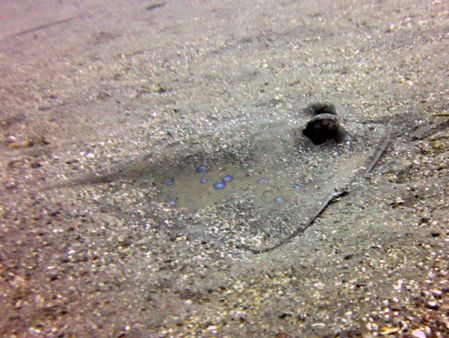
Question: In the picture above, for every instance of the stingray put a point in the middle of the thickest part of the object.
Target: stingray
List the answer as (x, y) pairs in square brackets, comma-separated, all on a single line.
[(259, 184)]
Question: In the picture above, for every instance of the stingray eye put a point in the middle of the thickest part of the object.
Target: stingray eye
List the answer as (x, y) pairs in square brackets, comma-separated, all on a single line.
[(324, 125)]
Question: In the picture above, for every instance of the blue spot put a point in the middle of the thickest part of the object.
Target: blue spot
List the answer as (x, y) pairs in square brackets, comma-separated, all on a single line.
[(279, 199), (227, 178), (203, 180), (169, 182), (219, 185), (201, 170), (296, 186), (172, 203)]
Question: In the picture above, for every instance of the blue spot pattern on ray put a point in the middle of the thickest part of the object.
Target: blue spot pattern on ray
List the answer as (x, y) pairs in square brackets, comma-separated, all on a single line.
[(227, 178), (279, 199), (172, 203), (169, 182), (203, 180), (201, 169), (219, 185), (296, 186)]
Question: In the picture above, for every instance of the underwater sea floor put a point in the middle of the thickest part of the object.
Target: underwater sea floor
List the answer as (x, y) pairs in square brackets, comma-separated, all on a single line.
[(155, 181)]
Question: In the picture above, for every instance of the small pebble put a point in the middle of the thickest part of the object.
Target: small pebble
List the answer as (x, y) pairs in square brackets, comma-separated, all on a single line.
[(418, 333), (227, 178), (435, 232), (203, 180), (432, 305), (169, 182), (263, 181), (219, 185), (279, 199), (172, 203)]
